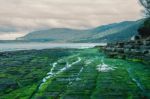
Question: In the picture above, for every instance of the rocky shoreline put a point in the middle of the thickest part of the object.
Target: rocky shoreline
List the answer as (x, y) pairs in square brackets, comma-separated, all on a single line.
[(137, 50)]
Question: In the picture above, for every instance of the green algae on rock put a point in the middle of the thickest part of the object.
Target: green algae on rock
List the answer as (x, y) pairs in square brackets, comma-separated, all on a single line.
[(71, 73)]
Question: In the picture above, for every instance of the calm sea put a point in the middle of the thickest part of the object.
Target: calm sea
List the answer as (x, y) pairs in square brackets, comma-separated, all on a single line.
[(38, 46)]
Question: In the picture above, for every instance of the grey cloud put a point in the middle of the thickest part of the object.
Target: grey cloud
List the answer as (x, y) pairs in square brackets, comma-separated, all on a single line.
[(29, 15)]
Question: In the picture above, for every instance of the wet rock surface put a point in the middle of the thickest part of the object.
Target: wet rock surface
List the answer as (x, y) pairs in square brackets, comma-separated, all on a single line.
[(75, 74)]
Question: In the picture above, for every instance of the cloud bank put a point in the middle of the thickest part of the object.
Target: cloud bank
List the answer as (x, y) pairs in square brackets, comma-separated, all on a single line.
[(29, 15)]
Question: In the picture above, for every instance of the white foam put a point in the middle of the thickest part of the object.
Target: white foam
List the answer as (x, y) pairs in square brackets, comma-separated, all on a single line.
[(87, 62), (104, 67), (68, 66), (51, 74)]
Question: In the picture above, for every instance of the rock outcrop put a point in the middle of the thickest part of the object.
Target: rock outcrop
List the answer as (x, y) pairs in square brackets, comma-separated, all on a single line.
[(137, 49)]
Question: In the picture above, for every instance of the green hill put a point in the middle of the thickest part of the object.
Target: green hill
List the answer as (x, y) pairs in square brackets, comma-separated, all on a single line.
[(106, 33)]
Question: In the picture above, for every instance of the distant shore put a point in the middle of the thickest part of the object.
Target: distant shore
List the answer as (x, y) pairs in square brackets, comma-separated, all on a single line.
[(46, 45)]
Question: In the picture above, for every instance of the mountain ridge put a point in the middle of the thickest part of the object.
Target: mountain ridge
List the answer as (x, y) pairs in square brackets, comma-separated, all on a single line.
[(102, 33)]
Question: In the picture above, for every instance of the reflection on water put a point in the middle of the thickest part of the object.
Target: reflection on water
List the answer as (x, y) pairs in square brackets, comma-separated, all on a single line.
[(28, 46)]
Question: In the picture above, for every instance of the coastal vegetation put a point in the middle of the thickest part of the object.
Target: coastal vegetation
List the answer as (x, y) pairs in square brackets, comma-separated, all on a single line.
[(144, 30)]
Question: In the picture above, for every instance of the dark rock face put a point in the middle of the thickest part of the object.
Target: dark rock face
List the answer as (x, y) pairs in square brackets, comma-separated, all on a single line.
[(137, 49), (144, 31)]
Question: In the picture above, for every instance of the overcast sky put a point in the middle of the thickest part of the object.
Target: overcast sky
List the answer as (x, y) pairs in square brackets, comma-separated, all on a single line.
[(22, 16)]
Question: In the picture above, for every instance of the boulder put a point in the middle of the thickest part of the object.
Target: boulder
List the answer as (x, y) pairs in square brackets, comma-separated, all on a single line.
[(120, 44), (120, 50), (146, 43), (111, 44), (145, 51), (139, 42), (143, 47), (136, 37), (127, 51), (128, 46), (136, 52), (112, 55), (109, 49)]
